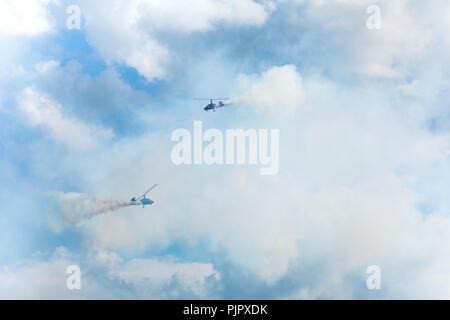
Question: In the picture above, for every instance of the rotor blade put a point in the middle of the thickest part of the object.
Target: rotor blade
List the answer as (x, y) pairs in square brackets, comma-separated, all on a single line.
[(146, 192)]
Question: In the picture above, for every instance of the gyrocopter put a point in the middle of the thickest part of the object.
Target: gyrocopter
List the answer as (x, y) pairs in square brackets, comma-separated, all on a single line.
[(212, 106), (142, 200)]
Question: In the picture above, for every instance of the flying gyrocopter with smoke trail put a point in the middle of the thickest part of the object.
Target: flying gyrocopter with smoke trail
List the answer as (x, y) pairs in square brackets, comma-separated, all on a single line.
[(212, 106), (77, 207)]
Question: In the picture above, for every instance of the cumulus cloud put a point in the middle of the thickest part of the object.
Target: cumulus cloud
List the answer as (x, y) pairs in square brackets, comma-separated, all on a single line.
[(153, 276), (91, 98), (204, 15), (401, 37), (133, 27), (36, 278), (25, 17), (385, 53), (277, 91), (41, 111), (107, 275)]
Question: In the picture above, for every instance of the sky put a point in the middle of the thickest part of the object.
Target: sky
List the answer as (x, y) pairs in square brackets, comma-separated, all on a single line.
[(87, 114)]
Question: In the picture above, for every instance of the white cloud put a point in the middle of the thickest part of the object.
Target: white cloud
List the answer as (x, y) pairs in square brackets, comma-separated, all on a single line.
[(41, 111), (37, 279), (25, 17), (277, 91), (46, 66), (153, 275), (126, 43), (102, 273), (203, 15), (400, 38), (133, 26), (387, 53)]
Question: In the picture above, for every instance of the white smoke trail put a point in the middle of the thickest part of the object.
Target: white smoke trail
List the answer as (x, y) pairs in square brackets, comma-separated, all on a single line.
[(77, 207), (277, 91)]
